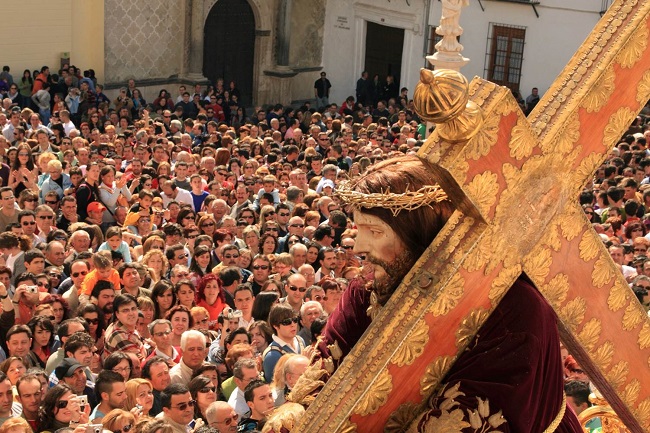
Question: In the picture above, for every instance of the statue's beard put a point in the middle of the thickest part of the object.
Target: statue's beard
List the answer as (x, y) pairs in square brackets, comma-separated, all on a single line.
[(394, 272)]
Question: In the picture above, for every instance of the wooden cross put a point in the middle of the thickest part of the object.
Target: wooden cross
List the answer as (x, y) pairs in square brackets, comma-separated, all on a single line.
[(516, 185)]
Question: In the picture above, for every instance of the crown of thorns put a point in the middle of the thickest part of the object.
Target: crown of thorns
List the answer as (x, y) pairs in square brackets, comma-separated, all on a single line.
[(394, 202)]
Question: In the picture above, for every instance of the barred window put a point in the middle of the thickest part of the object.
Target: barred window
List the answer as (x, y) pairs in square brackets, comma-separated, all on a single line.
[(505, 54)]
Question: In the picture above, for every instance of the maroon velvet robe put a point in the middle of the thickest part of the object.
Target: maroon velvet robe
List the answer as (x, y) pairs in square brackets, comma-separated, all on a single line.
[(515, 363)]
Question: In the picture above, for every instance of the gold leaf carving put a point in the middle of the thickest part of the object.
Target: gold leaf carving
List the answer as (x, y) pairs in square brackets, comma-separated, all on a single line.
[(643, 410), (522, 141), (412, 347), (556, 290), (483, 141), (644, 336), (537, 265), (399, 420), (348, 427), (590, 334), (483, 190), (634, 314), (602, 273), (478, 257), (376, 396), (643, 89), (573, 313), (567, 137), (618, 296), (449, 296), (600, 93), (434, 374), (502, 283), (588, 167), (603, 355), (470, 326), (552, 237), (589, 246), (618, 374), (630, 393), (633, 49), (506, 106), (617, 125), (570, 222)]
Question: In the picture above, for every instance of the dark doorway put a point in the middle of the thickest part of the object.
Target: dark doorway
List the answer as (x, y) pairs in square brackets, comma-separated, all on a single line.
[(229, 46), (384, 47)]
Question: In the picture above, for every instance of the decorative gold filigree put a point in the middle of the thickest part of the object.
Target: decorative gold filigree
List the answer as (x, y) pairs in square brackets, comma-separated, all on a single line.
[(376, 396), (552, 237), (618, 123), (335, 350), (449, 296), (630, 393), (434, 374), (483, 141), (483, 191), (602, 357), (537, 264), (643, 410), (590, 334), (310, 381), (633, 49), (602, 273), (399, 420), (618, 374), (502, 283), (600, 93), (470, 326), (348, 427), (567, 136), (556, 290), (618, 296), (634, 314), (412, 347), (644, 336), (573, 313), (522, 140), (571, 222), (589, 246), (643, 90), (587, 168), (285, 416)]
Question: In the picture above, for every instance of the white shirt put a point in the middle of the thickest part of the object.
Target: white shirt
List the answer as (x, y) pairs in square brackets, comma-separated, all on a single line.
[(12, 259), (238, 402), (183, 196)]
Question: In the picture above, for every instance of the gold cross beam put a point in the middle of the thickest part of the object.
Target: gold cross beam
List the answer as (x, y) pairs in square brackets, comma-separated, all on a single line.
[(516, 184)]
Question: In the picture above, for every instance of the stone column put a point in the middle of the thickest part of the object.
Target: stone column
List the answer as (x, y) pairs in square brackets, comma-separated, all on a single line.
[(284, 32), (196, 40)]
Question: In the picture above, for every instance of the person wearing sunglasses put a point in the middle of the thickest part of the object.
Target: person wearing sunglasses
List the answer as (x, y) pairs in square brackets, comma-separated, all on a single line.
[(60, 407), (295, 288), (119, 421), (221, 416), (284, 322), (205, 393), (178, 406)]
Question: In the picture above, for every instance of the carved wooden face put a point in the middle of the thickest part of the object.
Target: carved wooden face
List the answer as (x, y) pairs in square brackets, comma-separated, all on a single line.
[(386, 255)]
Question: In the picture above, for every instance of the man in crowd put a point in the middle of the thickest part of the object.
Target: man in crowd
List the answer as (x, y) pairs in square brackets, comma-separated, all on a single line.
[(194, 353)]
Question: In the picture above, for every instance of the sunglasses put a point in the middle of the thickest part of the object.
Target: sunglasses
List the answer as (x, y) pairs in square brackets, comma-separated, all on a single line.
[(31, 200), (208, 389), (294, 288), (82, 273), (29, 223), (124, 429), (52, 275), (230, 420), (262, 267), (297, 225), (46, 217), (207, 225), (50, 203), (272, 229), (62, 404), (46, 285), (229, 256), (181, 256), (184, 406), (287, 322), (92, 321), (319, 297)]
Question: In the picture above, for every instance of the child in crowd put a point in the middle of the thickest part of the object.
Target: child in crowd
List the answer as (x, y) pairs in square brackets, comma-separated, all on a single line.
[(141, 208), (103, 263), (114, 242)]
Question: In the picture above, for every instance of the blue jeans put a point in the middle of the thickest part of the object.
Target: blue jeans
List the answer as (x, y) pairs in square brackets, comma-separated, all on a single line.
[(45, 115)]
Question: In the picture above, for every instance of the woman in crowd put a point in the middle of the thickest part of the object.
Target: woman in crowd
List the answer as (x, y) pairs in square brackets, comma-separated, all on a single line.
[(24, 173), (157, 263), (14, 367), (211, 297), (139, 392), (204, 393), (185, 293), (42, 340), (201, 263), (181, 320), (261, 335), (119, 362), (163, 298), (95, 319), (118, 420), (60, 406)]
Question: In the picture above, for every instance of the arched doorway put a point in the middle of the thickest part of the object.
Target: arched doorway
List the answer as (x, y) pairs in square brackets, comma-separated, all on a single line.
[(229, 46)]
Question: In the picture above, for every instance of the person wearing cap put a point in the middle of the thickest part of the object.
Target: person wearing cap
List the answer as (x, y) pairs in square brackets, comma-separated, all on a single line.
[(95, 213), (122, 335), (72, 373)]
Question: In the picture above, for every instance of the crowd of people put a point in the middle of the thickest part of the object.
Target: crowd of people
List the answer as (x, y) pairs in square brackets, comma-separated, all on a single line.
[(169, 266)]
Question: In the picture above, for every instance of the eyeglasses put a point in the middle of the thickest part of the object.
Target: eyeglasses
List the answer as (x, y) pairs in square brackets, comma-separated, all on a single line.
[(262, 267), (207, 389), (46, 217), (231, 256), (192, 236), (82, 273), (62, 404), (92, 321), (31, 200), (284, 214), (297, 225), (124, 429), (181, 256), (272, 229), (184, 406), (319, 297), (207, 225), (50, 202), (42, 284), (162, 334), (189, 217), (28, 223), (230, 420), (347, 247), (294, 288), (54, 275), (287, 322), (122, 370)]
